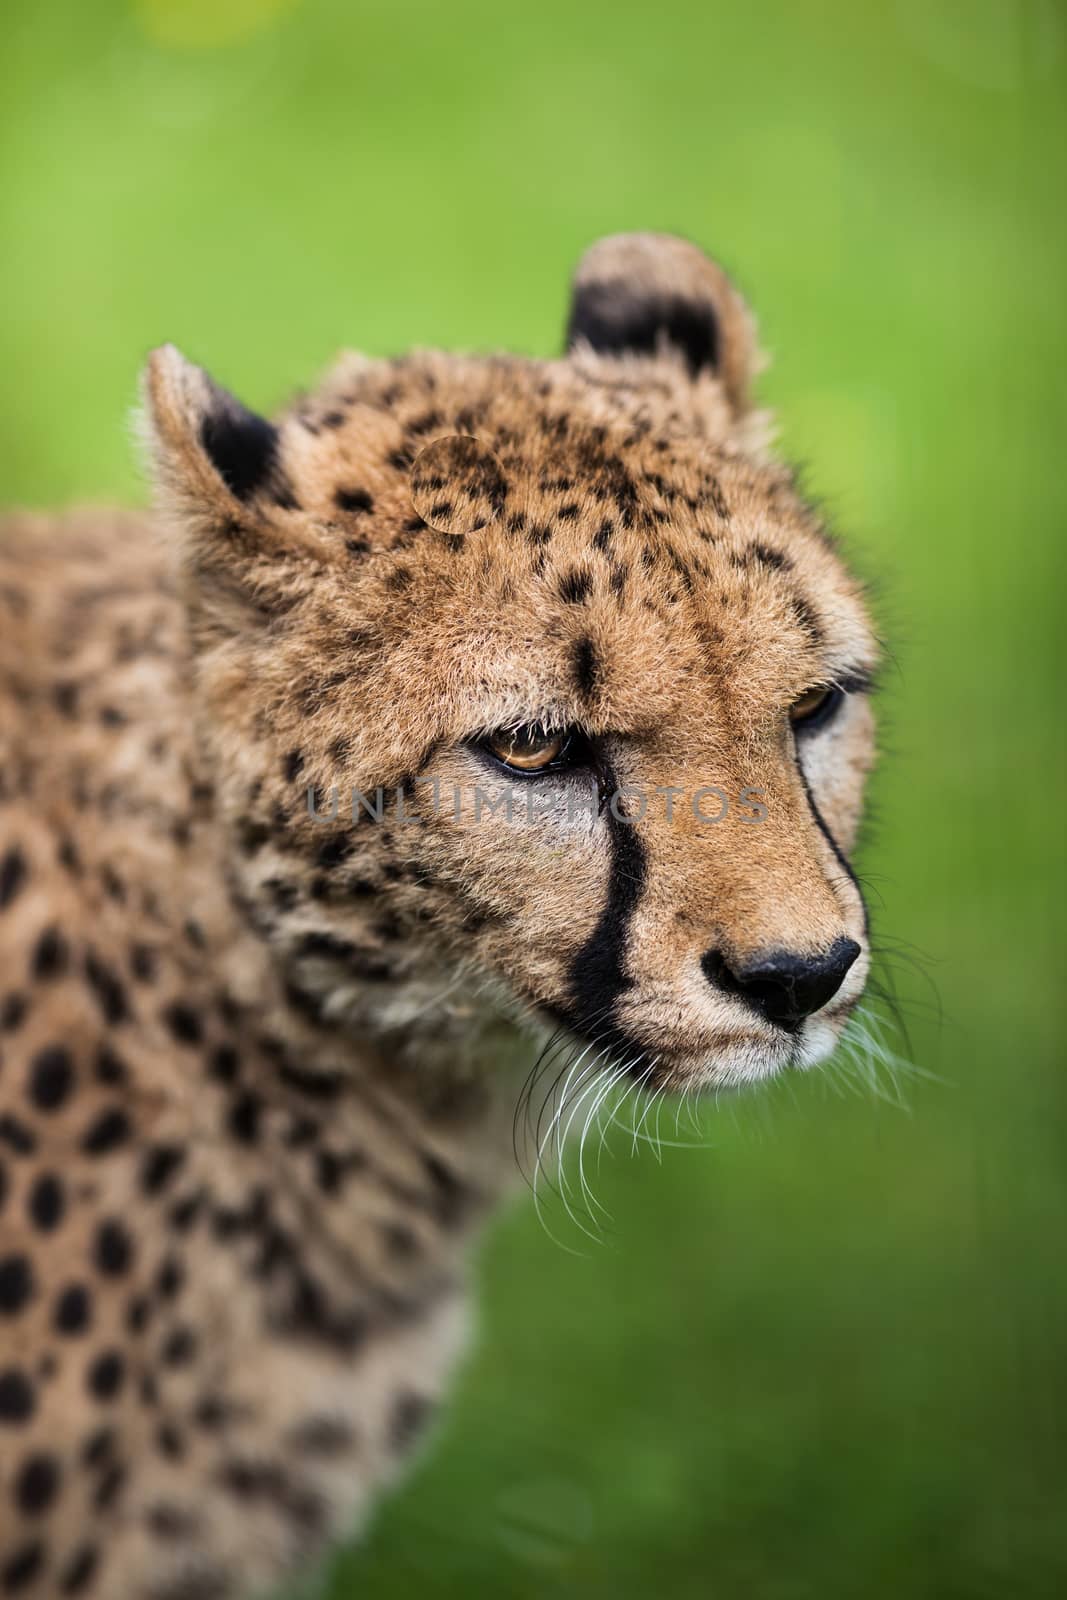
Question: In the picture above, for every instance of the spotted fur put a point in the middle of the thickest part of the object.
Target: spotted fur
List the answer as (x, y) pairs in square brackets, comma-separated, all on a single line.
[(258, 1067)]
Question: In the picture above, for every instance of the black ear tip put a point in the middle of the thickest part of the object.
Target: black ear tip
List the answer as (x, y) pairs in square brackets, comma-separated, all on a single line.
[(615, 318), (660, 296), (242, 447)]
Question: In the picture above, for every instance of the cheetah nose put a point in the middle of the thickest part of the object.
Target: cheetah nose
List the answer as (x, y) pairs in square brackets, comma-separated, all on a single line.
[(783, 985)]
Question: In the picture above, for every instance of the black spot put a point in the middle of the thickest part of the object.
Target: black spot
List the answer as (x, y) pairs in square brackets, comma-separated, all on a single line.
[(105, 1375), (110, 1129), (326, 1085), (450, 1195), (293, 766), (50, 955), (110, 1067), (575, 586), (768, 556), (242, 446), (37, 1484), (108, 1487), (330, 945), (611, 317), (586, 665), (65, 698), (248, 1478), (329, 1171), (410, 1414), (400, 1240), (183, 1022), (354, 500), (13, 1009), (169, 1278), (46, 1202), (333, 851), (12, 875), (170, 1522), (16, 1284), (243, 1120), (182, 1215), (68, 856), (114, 887), (99, 1447), (252, 836), (284, 893), (16, 1134), (137, 1313), (169, 1441), (224, 1063), (79, 1571), (160, 1164), (22, 1568), (179, 1347), (211, 1412), (143, 962), (112, 1249), (51, 1077), (16, 1396), (73, 1310)]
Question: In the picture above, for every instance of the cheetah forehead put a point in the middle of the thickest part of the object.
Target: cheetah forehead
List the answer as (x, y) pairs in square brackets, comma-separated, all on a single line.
[(548, 539), (457, 445)]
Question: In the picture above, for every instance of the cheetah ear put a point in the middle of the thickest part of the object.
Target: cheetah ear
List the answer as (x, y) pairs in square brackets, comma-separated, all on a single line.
[(654, 296), (210, 453), (219, 480)]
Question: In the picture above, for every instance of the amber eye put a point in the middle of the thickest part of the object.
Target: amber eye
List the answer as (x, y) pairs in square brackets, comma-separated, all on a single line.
[(815, 708), (528, 749)]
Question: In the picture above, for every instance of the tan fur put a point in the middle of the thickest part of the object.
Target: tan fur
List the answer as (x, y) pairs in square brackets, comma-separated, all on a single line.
[(258, 1070)]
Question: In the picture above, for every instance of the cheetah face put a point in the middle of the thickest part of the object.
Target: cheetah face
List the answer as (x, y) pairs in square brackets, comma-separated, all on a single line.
[(585, 666)]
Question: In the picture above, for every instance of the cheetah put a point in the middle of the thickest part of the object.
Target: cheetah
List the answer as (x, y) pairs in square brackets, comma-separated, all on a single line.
[(275, 954)]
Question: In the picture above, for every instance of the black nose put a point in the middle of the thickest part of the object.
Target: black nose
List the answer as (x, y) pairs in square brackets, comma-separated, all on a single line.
[(781, 985)]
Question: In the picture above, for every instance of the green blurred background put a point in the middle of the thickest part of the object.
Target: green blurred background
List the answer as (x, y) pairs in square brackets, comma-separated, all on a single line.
[(824, 1354)]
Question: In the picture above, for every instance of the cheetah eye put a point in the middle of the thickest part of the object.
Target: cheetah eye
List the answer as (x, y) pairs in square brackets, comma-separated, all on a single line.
[(816, 708), (532, 748)]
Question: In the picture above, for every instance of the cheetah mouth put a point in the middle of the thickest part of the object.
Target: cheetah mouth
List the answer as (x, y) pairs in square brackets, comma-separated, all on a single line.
[(726, 1060), (734, 1058)]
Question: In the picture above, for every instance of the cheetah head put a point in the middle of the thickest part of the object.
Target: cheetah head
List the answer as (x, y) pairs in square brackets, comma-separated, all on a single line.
[(576, 653)]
